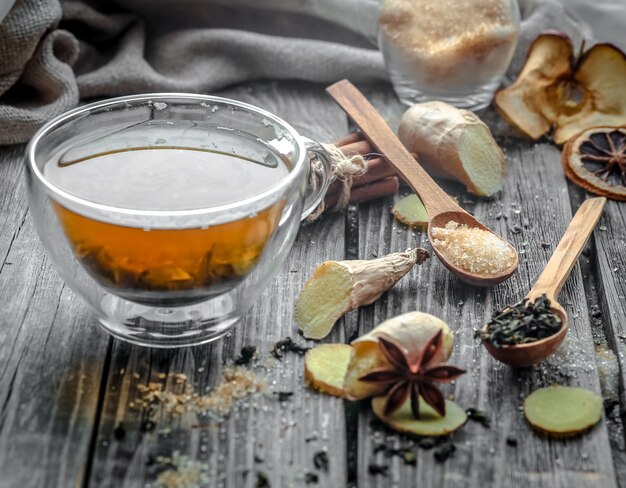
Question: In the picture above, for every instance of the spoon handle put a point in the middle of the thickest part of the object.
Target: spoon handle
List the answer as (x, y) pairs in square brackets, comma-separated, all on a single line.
[(571, 245), (376, 130)]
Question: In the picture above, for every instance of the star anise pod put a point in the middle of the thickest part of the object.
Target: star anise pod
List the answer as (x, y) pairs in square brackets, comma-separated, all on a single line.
[(413, 377)]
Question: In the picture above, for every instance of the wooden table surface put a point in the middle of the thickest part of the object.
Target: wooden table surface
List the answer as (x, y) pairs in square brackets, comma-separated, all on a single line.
[(66, 387)]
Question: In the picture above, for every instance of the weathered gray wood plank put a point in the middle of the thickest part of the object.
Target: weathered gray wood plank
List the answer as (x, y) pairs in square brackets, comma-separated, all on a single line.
[(535, 199), (610, 239), (51, 353), (264, 430), (609, 263)]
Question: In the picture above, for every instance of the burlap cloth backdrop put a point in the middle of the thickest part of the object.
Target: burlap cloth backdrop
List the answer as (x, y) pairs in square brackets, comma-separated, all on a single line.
[(53, 54)]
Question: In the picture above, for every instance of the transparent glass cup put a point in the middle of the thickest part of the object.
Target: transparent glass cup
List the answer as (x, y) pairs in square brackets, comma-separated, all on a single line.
[(456, 51), (171, 317)]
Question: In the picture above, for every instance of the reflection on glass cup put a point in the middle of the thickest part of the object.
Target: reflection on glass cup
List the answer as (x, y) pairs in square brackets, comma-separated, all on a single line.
[(456, 51), (169, 213)]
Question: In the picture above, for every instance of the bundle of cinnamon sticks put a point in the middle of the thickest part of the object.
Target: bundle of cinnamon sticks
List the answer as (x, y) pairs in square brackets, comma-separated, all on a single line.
[(378, 181)]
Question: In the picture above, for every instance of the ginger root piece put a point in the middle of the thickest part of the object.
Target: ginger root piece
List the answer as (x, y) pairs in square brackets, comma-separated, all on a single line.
[(454, 144), (412, 331), (337, 287), (556, 90), (411, 211), (325, 367), (596, 160), (430, 422), (562, 411)]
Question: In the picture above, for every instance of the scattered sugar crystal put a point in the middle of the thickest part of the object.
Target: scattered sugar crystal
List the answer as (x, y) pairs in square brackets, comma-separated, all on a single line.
[(475, 250)]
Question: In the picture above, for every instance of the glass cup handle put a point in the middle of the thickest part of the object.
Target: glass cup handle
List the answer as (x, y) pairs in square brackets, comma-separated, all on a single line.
[(320, 174)]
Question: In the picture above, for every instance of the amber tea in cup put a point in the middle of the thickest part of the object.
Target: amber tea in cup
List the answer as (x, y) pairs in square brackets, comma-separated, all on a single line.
[(169, 213), (160, 265)]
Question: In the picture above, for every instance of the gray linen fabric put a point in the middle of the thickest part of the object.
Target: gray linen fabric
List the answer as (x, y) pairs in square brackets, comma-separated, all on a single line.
[(52, 54)]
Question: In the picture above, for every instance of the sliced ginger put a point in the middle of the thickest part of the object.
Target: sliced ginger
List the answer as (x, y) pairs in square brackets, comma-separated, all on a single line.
[(455, 144), (562, 411), (411, 211), (412, 331), (556, 90), (325, 367), (430, 422), (337, 287)]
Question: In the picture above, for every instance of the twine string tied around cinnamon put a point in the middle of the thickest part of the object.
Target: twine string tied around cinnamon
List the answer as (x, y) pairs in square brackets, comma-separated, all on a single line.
[(345, 169)]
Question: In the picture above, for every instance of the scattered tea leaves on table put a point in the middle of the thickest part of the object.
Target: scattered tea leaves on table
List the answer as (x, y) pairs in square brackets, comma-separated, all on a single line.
[(511, 441), (287, 345), (320, 460), (522, 323), (444, 452), (246, 355), (262, 481), (283, 396), (311, 478), (478, 416), (377, 469), (119, 433), (147, 425)]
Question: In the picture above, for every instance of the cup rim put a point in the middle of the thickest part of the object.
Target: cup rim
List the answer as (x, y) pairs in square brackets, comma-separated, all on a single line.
[(204, 211)]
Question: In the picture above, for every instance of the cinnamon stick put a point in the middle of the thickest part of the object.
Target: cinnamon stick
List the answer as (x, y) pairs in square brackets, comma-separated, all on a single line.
[(362, 147), (381, 188), (349, 139)]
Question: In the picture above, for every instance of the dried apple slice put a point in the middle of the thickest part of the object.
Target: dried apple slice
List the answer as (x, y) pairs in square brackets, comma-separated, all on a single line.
[(600, 79), (413, 330), (430, 422), (596, 160), (325, 367), (411, 211), (532, 103), (562, 411)]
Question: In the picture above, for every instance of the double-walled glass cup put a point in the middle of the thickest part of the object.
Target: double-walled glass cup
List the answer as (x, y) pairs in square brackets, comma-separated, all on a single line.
[(78, 232)]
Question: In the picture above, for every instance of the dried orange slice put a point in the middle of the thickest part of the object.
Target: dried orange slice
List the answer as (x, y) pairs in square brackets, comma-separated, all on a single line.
[(596, 160)]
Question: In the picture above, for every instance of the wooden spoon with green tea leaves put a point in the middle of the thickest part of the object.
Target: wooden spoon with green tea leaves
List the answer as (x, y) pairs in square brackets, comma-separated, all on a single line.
[(539, 315)]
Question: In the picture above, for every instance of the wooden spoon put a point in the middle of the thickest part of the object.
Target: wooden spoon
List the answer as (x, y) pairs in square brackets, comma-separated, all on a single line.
[(440, 208), (550, 283)]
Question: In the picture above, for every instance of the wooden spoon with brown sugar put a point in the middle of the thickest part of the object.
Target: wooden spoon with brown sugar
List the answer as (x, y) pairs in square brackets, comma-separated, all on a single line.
[(441, 208)]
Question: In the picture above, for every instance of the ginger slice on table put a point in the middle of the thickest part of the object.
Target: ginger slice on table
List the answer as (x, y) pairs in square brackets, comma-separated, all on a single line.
[(337, 287), (563, 411), (411, 211), (556, 90), (325, 367), (430, 423)]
